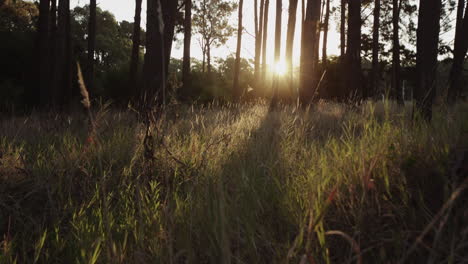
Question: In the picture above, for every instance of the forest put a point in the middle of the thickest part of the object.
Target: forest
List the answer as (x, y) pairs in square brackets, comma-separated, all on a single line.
[(233, 131)]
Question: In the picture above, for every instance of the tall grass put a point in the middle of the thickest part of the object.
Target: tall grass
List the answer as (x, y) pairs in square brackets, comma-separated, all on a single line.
[(233, 184)]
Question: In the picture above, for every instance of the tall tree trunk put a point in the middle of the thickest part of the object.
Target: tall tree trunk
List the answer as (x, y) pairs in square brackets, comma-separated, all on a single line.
[(158, 47), (279, 11), (208, 59), (153, 75), (68, 76), (325, 34), (460, 50), (290, 42), (426, 56), (169, 9), (265, 39), (309, 75), (236, 88), (60, 74), (375, 50), (136, 39), (258, 43), (396, 82), (187, 43), (43, 54), (353, 85), (343, 29), (91, 43), (52, 44)]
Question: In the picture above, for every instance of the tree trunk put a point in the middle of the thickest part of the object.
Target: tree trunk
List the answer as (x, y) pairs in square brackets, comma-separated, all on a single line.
[(187, 43), (279, 11), (426, 56), (290, 42), (208, 59), (353, 85), (265, 38), (460, 50), (396, 82), (236, 88), (68, 76), (257, 37), (158, 47), (375, 50), (52, 44), (91, 43), (43, 54), (154, 58), (169, 10), (60, 52), (325, 34), (309, 57), (136, 39), (343, 29)]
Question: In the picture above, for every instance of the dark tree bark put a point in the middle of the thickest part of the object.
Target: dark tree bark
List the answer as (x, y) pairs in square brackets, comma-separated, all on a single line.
[(258, 37), (158, 47), (153, 67), (343, 29), (91, 43), (426, 57), (325, 34), (265, 38), (309, 58), (136, 41), (353, 85), (258, 43), (236, 88), (460, 50), (290, 42), (279, 10), (43, 52), (68, 75), (169, 9), (375, 50), (187, 43), (396, 81), (52, 44)]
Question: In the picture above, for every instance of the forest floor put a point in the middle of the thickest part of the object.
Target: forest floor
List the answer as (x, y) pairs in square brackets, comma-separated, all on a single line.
[(235, 184)]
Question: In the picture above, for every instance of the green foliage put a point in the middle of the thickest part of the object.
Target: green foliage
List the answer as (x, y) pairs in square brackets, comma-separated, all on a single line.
[(238, 183)]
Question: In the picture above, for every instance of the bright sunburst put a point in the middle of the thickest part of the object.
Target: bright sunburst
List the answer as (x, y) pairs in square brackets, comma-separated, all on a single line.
[(280, 68)]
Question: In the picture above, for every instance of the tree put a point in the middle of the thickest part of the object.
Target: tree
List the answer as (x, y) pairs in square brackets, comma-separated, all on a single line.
[(236, 90), (187, 43), (309, 57), (211, 22), (290, 40), (136, 42), (396, 82), (426, 58), (325, 33), (62, 76), (375, 50), (342, 28), (264, 41), (258, 39), (91, 43), (43, 54), (353, 51), (160, 19), (279, 11), (460, 50)]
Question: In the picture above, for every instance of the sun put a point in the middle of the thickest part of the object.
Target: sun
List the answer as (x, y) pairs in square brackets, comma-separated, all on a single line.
[(280, 68)]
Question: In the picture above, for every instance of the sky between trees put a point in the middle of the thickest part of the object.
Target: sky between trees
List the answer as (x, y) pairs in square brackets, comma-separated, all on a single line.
[(125, 9)]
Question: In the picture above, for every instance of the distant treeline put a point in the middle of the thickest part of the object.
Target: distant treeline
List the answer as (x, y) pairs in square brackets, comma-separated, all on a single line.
[(386, 48)]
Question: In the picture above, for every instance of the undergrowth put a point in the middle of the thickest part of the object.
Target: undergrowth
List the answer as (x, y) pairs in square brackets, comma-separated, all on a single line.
[(234, 184)]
